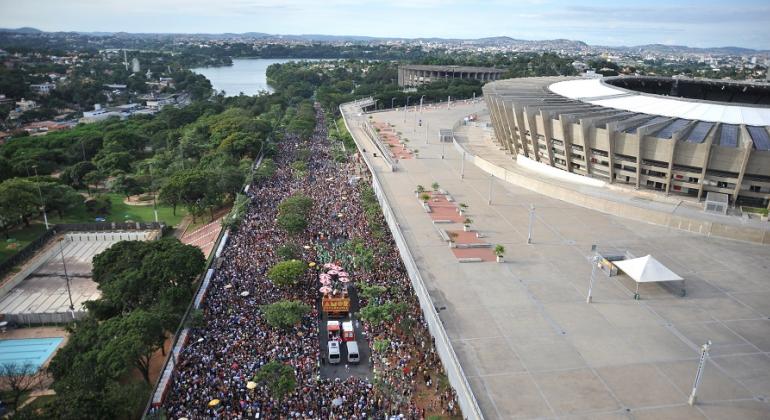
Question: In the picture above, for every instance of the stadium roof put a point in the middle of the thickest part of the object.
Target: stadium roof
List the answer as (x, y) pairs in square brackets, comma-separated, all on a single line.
[(593, 91)]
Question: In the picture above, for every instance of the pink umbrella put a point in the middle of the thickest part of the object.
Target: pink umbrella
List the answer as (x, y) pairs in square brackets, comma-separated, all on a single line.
[(326, 282), (344, 280), (343, 274), (324, 276), (325, 290), (328, 265), (333, 272)]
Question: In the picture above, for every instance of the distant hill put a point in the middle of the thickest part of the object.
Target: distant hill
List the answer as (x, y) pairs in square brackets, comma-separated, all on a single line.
[(495, 41), (24, 30)]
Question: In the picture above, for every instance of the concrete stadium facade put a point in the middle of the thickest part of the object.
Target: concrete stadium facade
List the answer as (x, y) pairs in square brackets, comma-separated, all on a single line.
[(416, 75), (678, 144)]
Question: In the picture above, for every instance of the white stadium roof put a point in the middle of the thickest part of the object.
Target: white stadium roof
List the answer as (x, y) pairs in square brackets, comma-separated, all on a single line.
[(595, 92)]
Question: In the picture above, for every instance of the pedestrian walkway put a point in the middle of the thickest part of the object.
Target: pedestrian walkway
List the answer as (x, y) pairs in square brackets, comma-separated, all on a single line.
[(525, 336)]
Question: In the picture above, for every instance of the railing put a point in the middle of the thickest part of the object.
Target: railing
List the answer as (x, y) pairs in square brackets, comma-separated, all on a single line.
[(375, 138), (455, 373)]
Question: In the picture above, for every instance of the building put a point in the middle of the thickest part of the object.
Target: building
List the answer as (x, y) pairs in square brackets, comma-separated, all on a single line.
[(677, 136), (43, 88), (160, 101), (25, 105), (135, 66), (100, 113), (416, 75)]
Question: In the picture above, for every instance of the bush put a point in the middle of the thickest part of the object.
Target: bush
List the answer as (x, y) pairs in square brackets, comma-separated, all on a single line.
[(99, 204), (287, 273)]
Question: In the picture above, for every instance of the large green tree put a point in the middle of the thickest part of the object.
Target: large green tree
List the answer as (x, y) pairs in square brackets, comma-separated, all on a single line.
[(284, 314), (287, 273), (19, 200), (279, 379)]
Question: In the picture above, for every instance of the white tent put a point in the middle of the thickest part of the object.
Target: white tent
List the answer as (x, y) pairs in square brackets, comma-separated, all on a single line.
[(647, 270)]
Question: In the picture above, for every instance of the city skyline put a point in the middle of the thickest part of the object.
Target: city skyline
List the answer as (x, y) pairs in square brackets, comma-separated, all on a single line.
[(745, 23)]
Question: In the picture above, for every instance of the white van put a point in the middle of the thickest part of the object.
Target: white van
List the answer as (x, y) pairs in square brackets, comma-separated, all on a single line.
[(353, 356), (334, 352)]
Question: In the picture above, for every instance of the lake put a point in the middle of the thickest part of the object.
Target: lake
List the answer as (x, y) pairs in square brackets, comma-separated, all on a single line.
[(246, 75)]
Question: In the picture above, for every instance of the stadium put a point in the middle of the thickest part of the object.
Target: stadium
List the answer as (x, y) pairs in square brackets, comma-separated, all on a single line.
[(683, 137)]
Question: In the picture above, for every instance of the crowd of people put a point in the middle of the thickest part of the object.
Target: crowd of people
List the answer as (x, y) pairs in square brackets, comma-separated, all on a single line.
[(224, 355)]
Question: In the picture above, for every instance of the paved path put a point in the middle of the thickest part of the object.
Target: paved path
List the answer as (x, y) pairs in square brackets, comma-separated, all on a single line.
[(530, 344)]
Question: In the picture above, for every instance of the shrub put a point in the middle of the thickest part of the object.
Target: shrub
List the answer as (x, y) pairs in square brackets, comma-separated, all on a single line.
[(98, 204), (287, 273), (285, 314)]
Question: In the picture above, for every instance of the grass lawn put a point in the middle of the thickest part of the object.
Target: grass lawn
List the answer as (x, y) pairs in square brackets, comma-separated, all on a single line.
[(120, 212), (18, 239)]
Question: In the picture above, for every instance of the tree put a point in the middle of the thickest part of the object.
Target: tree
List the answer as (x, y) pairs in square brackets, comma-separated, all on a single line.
[(370, 291), (435, 186), (376, 314), (131, 340), (113, 162), (59, 198), (74, 175), (284, 314), (287, 273), (19, 378), (142, 275), (194, 188), (99, 204), (293, 212), (126, 185), (18, 200), (94, 178), (280, 379), (289, 251)]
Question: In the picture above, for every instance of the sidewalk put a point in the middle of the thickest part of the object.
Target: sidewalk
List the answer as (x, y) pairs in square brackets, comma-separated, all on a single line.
[(530, 345)]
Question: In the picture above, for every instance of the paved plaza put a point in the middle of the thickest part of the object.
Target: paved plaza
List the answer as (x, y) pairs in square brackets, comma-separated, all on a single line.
[(529, 343), (44, 291)]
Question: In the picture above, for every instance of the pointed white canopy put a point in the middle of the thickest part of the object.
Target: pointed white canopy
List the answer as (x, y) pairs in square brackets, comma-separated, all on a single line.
[(646, 269)]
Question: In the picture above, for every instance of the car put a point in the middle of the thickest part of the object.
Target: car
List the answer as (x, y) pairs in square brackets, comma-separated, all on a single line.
[(353, 355), (334, 352)]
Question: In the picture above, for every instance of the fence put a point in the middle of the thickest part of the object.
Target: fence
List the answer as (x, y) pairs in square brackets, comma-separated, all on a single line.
[(455, 373)]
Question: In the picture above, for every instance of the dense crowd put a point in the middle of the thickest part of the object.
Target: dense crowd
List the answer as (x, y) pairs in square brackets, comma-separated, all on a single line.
[(236, 340)]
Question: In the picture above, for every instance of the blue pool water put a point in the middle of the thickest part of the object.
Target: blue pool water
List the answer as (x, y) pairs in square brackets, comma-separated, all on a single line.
[(33, 350)]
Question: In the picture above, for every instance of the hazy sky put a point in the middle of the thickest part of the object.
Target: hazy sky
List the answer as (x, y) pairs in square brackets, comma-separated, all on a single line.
[(705, 23)]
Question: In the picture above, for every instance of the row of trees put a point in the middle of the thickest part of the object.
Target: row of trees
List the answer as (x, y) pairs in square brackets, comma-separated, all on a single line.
[(146, 287)]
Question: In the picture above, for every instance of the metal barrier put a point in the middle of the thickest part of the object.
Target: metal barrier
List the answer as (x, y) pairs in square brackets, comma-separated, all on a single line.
[(455, 373), (375, 138)]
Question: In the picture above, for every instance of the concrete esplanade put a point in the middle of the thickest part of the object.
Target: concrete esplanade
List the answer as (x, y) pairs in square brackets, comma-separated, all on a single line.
[(416, 75), (680, 137)]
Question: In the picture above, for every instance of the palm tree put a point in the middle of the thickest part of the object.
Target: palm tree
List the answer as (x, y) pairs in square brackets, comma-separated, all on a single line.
[(452, 238), (435, 186), (467, 223), (463, 208)]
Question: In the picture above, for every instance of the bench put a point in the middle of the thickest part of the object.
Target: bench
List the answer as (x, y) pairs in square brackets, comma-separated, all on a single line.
[(469, 260)]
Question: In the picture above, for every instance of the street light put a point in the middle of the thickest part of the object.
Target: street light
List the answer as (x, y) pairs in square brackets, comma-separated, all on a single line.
[(66, 276), (594, 263), (40, 193), (405, 107), (393, 99), (531, 221)]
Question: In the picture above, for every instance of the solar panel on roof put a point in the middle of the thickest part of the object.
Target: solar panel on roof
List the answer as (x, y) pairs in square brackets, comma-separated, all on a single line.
[(699, 133), (729, 136), (760, 137), (668, 131)]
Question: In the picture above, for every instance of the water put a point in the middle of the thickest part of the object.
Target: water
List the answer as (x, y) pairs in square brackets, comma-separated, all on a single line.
[(34, 351), (246, 75)]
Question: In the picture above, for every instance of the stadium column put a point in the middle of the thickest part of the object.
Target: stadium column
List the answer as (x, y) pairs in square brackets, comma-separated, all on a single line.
[(747, 145), (566, 133), (532, 125), (509, 124), (545, 118), (709, 145), (518, 115), (612, 134), (585, 126), (671, 154)]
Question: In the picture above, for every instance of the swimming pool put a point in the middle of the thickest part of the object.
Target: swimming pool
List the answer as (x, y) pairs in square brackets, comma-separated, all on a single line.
[(28, 350)]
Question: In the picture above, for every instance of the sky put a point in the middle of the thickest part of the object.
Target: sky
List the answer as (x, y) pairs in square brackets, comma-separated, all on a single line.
[(705, 23)]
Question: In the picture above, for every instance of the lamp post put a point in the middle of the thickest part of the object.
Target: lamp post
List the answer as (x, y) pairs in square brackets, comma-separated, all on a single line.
[(66, 276), (406, 106), (462, 166), (704, 354), (531, 221), (393, 99), (489, 198), (173, 359), (594, 263), (40, 194)]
